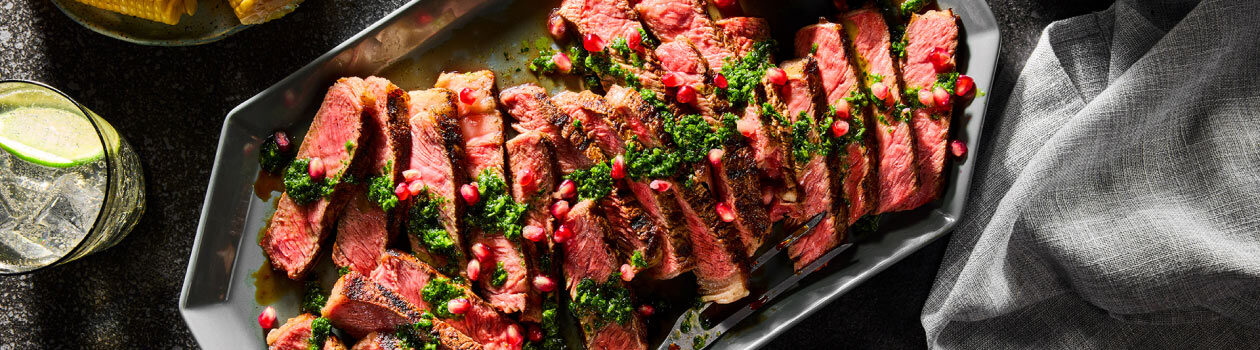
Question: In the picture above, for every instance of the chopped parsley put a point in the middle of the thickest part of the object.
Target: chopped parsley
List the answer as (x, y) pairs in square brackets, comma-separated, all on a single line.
[(499, 277), (342, 271), (650, 163), (911, 7), (946, 81), (381, 190), (551, 329), (438, 292), (425, 223), (496, 211), (693, 136), (898, 47), (418, 336), (743, 75), (299, 185), (321, 328), (606, 302), (594, 182), (271, 158), (637, 260), (313, 299)]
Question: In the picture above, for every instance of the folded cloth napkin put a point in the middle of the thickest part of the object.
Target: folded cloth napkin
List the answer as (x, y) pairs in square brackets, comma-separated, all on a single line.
[(1117, 202)]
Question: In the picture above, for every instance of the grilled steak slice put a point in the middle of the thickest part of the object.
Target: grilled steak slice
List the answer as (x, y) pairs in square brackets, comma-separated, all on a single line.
[(839, 81), (672, 20), (634, 233), (380, 341), (803, 96), (293, 235), (896, 173), (295, 334), (408, 277), (530, 160), (533, 110), (742, 33), (360, 306), (437, 148), (588, 260), (613, 20), (925, 33), (389, 145), (361, 233), (632, 117), (482, 126)]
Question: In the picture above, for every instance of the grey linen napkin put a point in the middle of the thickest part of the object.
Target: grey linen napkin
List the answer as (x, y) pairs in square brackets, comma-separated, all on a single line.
[(1117, 202)]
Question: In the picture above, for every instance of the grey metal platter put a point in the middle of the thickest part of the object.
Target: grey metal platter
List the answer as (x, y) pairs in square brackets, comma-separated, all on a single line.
[(410, 46)]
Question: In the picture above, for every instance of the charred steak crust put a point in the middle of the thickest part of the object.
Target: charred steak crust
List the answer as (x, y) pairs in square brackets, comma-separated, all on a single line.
[(925, 33), (437, 149)]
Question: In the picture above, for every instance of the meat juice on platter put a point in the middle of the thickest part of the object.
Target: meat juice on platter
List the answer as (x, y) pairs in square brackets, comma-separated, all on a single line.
[(699, 132), (59, 200)]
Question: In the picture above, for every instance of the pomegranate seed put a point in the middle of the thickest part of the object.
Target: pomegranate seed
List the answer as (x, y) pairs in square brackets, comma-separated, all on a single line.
[(940, 96), (458, 306), (880, 91), (957, 148), (964, 85), (534, 332), (627, 272), (466, 96), (282, 141), (470, 193), (556, 26), (635, 40), (568, 189), (715, 157), (671, 80), (410, 175), (659, 186), (559, 209), (686, 94), (402, 192), (562, 62), (724, 212), (776, 76), (514, 336), (842, 109), (473, 270), (480, 251), (646, 310), (720, 81), (593, 43), (533, 233), (939, 58), (415, 187), (926, 98), (618, 171), (562, 234), (544, 284), (839, 128), (267, 319), (723, 3), (316, 169)]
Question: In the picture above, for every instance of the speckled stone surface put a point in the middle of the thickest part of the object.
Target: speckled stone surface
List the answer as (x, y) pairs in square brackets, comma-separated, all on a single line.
[(170, 104)]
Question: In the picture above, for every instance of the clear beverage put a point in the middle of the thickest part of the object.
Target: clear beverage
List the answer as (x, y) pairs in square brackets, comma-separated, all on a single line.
[(69, 184)]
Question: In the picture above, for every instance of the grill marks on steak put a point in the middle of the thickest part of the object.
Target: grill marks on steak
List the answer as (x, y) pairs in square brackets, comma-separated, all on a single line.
[(839, 80), (531, 153), (803, 96), (609, 20), (897, 173), (587, 255), (380, 341), (437, 148), (672, 20), (407, 277), (635, 119), (533, 110), (925, 33), (633, 231), (295, 335), (482, 128), (359, 306), (293, 235)]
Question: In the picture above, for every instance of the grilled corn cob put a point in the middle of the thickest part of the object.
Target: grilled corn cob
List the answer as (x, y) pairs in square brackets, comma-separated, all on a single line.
[(165, 11), (259, 11)]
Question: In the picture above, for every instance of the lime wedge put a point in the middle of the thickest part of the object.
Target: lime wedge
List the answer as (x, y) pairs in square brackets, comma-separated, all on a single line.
[(49, 136)]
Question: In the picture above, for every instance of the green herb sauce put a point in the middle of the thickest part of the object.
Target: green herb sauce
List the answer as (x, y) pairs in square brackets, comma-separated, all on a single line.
[(381, 191), (694, 137), (607, 302), (321, 328), (594, 182), (946, 81), (743, 75), (911, 7), (418, 336), (650, 163), (425, 223), (314, 298), (496, 211), (271, 158), (637, 260), (499, 277), (301, 188), (438, 293)]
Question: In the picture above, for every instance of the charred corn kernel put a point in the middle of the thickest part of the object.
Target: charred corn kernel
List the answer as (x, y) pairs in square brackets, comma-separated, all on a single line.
[(259, 11), (165, 11)]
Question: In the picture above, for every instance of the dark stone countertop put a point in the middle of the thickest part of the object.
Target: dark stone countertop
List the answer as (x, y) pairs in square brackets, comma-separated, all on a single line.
[(170, 104)]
